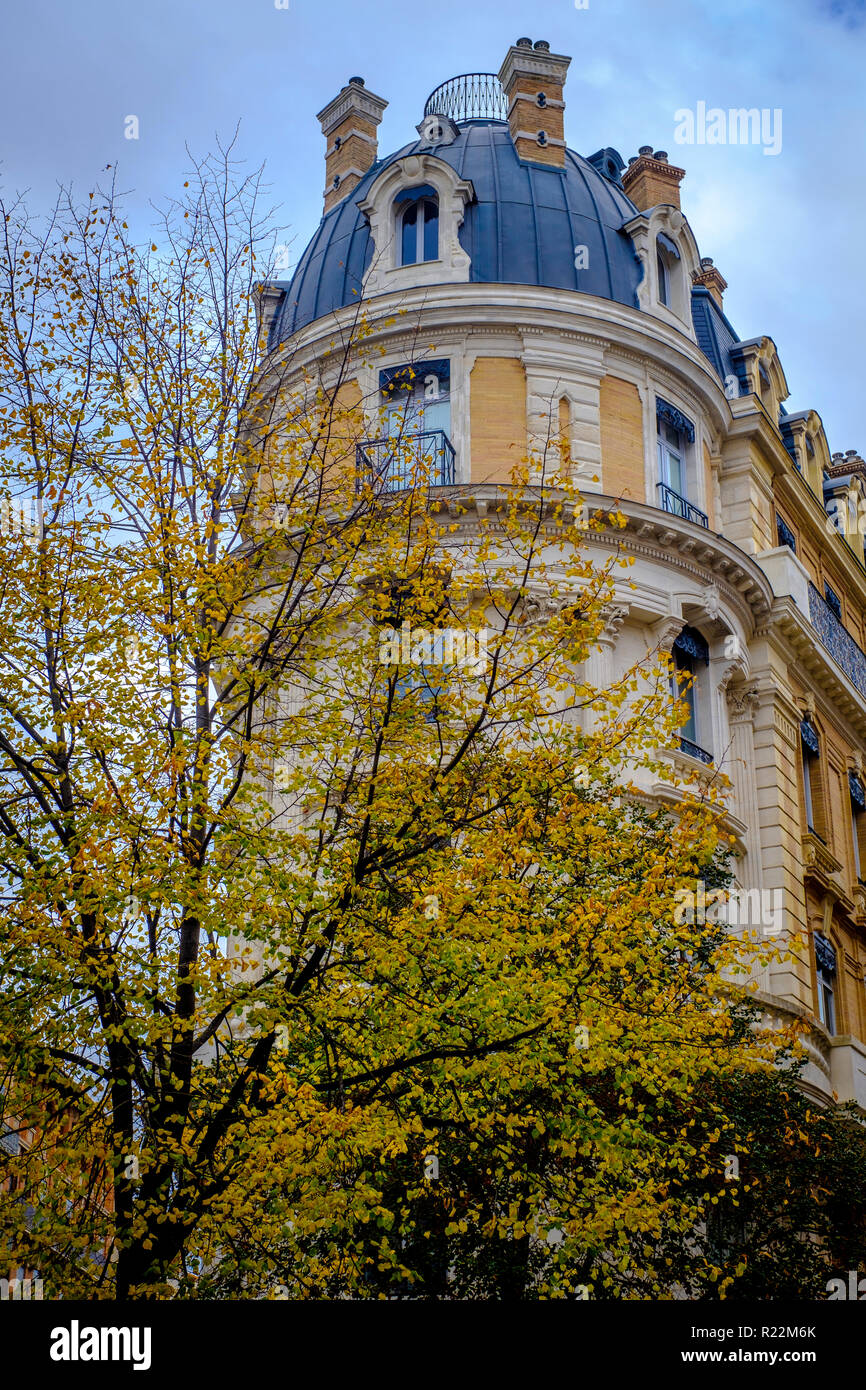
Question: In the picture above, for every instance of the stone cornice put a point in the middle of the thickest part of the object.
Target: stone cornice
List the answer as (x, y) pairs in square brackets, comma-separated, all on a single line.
[(816, 663)]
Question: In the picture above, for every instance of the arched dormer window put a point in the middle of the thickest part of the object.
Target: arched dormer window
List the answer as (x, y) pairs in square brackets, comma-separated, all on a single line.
[(691, 656), (669, 257), (418, 224), (435, 254), (664, 278)]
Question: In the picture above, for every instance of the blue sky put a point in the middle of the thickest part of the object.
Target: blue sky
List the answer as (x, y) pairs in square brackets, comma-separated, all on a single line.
[(785, 231)]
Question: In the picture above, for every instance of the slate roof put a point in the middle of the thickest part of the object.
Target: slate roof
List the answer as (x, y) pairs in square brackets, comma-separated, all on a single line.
[(522, 228)]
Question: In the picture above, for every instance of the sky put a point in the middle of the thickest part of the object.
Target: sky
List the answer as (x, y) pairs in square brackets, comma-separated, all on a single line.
[(784, 229)]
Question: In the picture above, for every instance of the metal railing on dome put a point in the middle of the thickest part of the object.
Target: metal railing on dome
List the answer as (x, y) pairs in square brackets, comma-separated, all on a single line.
[(473, 96)]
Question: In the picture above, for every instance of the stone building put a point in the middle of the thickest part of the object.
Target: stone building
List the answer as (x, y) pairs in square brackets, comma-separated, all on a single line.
[(566, 296)]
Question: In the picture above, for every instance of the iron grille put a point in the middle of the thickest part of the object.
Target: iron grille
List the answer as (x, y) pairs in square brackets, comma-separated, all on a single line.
[(680, 506), (473, 96)]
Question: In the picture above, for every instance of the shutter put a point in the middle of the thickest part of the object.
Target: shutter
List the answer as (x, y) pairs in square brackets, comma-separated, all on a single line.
[(819, 798)]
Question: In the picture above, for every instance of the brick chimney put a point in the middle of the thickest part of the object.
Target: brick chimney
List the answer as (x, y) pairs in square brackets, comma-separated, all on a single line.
[(649, 179), (533, 79), (349, 125), (713, 279)]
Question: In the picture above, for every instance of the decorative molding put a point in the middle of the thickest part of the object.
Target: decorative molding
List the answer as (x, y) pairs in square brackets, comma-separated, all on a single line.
[(452, 265), (665, 632), (743, 701), (675, 418), (613, 616)]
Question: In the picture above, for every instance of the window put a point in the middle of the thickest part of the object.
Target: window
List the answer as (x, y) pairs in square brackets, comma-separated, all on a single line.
[(858, 823), (834, 603), (813, 787), (675, 433), (667, 262), (416, 401), (825, 979), (691, 654), (785, 534), (418, 225), (664, 283), (672, 470)]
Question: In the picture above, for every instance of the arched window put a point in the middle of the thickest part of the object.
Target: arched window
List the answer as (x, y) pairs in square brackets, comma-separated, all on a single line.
[(813, 780), (825, 980), (691, 656), (418, 225), (667, 266), (664, 284)]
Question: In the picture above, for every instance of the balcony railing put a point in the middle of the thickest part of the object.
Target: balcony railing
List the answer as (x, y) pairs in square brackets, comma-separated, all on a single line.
[(694, 750), (679, 506), (838, 640), (408, 459), (471, 96)]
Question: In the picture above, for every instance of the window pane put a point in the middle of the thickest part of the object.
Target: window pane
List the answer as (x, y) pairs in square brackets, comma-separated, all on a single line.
[(410, 235), (807, 788), (431, 231), (663, 277)]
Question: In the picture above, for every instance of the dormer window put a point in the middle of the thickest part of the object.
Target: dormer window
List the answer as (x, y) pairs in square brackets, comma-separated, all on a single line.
[(418, 225), (667, 265), (664, 283)]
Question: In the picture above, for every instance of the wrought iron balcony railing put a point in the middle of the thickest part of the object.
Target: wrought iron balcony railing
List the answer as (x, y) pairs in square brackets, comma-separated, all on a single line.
[(694, 750), (680, 506), (476, 96), (409, 459), (838, 640)]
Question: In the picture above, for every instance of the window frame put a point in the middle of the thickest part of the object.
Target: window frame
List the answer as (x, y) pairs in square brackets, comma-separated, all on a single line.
[(418, 207), (825, 984)]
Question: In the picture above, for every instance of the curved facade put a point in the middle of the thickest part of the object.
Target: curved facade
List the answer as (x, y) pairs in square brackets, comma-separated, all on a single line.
[(565, 298)]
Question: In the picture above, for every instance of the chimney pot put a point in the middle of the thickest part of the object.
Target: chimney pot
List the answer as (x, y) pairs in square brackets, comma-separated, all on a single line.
[(650, 180)]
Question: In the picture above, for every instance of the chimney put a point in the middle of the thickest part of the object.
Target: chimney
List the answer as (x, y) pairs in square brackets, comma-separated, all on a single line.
[(649, 179), (533, 79), (713, 279), (349, 124)]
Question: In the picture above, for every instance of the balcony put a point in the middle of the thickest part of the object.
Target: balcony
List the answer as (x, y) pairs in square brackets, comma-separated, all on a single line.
[(671, 501), (694, 750), (406, 460), (473, 96), (838, 640)]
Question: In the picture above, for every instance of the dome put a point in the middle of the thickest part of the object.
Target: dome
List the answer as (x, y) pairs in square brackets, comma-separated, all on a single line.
[(521, 228)]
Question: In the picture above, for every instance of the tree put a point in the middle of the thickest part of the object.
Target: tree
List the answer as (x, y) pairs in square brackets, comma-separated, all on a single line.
[(302, 891)]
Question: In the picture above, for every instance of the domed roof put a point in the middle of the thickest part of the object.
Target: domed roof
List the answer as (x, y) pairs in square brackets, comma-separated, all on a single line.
[(521, 228)]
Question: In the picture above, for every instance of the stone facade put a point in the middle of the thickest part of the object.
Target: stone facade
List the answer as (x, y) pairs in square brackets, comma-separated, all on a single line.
[(736, 543)]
